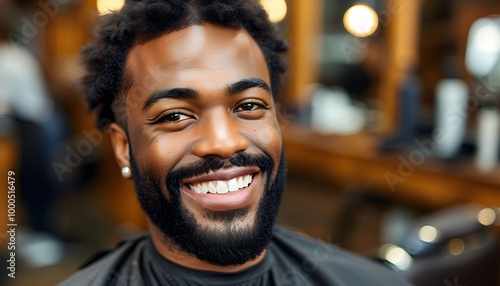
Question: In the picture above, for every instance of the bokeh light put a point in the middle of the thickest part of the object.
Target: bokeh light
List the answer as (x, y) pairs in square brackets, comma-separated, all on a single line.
[(106, 6), (428, 233), (486, 217), (483, 47), (361, 20), (396, 256), (276, 9), (456, 246)]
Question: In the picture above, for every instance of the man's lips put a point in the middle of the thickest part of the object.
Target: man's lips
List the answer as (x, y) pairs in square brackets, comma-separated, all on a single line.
[(222, 181), (222, 186), (204, 189)]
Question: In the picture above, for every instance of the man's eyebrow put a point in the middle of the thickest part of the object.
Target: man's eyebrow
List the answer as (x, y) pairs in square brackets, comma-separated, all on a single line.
[(244, 84), (174, 93), (187, 93)]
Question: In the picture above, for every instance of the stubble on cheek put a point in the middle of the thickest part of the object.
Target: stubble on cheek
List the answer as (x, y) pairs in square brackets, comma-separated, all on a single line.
[(269, 141), (150, 176), (157, 159)]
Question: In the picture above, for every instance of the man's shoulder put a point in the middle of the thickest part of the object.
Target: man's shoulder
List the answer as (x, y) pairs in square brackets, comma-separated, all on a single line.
[(104, 267), (317, 260)]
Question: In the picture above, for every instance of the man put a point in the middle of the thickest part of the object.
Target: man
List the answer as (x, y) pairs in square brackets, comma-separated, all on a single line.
[(187, 89)]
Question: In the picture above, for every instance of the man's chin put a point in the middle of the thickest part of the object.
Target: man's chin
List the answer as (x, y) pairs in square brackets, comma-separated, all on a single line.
[(226, 237), (228, 217)]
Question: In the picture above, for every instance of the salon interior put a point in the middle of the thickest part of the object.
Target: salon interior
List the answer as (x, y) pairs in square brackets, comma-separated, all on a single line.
[(389, 118)]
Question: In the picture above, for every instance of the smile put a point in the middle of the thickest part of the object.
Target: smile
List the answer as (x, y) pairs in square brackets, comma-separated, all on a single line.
[(225, 189), (222, 186)]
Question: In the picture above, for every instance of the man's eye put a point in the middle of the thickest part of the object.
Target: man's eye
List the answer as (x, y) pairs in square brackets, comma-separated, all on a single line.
[(173, 117), (250, 106)]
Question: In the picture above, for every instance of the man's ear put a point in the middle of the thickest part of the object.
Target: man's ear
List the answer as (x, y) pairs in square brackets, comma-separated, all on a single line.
[(120, 144)]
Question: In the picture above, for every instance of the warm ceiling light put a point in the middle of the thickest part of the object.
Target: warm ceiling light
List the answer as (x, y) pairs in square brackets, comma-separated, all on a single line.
[(106, 6), (361, 20), (276, 9)]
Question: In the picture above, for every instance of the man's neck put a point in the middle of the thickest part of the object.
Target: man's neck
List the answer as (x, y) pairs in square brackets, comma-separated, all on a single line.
[(171, 251)]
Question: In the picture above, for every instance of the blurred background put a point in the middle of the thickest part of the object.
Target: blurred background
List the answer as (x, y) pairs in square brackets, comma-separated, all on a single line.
[(390, 123)]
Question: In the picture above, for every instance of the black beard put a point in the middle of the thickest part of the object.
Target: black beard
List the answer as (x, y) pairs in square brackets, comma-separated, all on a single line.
[(223, 248)]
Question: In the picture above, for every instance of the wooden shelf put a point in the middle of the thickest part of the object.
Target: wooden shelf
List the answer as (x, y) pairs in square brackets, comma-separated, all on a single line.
[(356, 160)]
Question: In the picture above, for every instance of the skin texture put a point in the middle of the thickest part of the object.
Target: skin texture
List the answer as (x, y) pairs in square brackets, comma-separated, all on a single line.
[(174, 132)]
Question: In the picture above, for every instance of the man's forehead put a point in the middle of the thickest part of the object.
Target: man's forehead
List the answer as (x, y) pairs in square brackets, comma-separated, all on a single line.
[(196, 41), (187, 53)]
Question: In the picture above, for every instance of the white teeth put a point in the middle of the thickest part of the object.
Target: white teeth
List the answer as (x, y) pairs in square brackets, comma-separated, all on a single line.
[(233, 185), (222, 187), (204, 188), (196, 189), (241, 183), (212, 188), (248, 180)]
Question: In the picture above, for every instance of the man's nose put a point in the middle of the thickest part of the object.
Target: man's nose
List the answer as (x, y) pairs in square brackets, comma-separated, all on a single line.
[(221, 136)]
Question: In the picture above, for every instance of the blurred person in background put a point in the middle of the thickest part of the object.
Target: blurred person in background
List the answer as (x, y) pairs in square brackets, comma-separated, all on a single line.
[(24, 97)]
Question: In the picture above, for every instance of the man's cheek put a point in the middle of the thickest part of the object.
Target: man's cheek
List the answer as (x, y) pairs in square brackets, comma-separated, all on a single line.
[(269, 140)]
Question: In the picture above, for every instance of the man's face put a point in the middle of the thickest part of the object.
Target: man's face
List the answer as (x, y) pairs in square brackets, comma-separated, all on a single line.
[(204, 141)]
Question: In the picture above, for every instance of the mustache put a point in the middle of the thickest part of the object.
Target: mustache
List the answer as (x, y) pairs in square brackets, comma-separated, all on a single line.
[(214, 163)]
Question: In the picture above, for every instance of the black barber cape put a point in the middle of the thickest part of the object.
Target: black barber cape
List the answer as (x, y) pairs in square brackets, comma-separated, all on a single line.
[(291, 259)]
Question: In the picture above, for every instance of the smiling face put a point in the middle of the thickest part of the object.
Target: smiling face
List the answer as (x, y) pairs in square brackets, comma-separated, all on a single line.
[(203, 143)]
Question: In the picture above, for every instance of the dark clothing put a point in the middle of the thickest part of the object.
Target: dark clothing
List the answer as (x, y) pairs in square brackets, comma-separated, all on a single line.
[(291, 259)]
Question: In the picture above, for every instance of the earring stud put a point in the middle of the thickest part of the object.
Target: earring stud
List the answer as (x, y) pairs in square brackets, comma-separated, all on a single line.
[(125, 172)]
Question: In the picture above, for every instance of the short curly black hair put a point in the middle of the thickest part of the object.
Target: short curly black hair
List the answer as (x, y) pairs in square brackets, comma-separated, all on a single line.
[(107, 81)]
